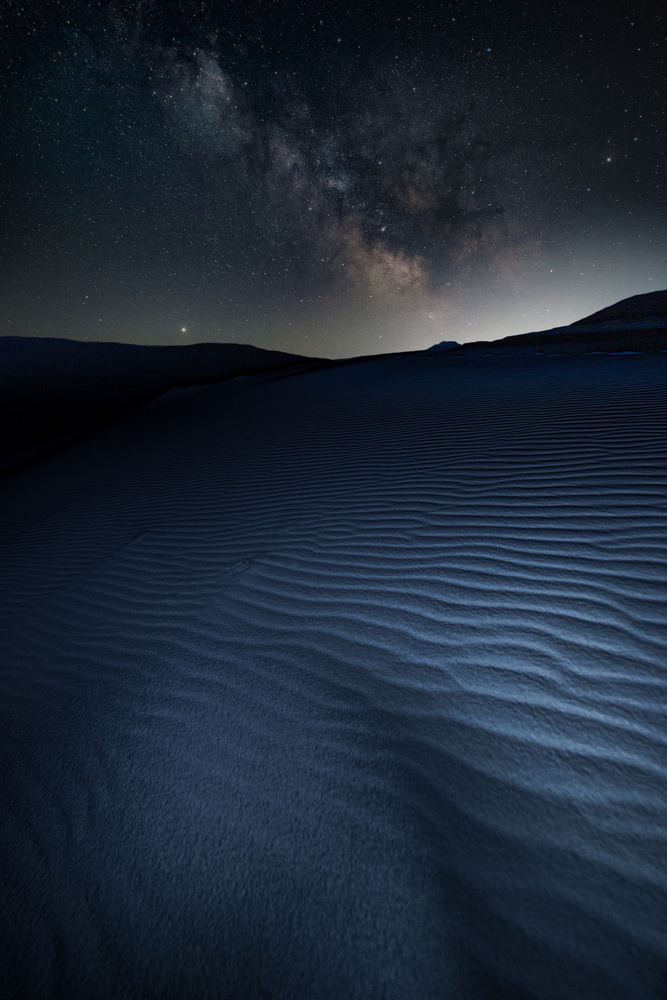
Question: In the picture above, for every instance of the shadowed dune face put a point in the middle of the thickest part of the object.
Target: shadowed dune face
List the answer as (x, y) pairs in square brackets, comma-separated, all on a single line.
[(347, 684), (52, 390)]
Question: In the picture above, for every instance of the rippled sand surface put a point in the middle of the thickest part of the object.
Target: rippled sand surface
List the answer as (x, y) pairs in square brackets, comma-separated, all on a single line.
[(345, 684)]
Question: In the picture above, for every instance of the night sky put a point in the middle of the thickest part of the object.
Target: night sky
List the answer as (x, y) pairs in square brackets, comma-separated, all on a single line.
[(331, 179)]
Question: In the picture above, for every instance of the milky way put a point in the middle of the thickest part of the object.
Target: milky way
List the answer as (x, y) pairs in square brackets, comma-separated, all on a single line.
[(338, 184)]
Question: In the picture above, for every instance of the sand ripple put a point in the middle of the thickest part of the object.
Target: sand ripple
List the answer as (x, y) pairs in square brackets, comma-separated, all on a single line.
[(347, 684)]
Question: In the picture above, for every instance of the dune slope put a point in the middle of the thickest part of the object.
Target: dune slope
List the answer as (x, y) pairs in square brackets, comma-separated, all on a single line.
[(345, 684)]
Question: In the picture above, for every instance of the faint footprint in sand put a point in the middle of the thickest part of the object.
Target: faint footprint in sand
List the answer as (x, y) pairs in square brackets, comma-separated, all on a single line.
[(237, 568)]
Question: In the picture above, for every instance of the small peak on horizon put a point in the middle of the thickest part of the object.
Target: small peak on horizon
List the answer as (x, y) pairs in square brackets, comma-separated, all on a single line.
[(444, 345)]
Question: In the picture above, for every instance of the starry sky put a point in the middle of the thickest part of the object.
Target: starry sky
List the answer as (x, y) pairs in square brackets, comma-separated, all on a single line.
[(327, 178)]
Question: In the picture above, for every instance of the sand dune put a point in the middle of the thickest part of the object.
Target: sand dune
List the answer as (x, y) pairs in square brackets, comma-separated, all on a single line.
[(344, 684)]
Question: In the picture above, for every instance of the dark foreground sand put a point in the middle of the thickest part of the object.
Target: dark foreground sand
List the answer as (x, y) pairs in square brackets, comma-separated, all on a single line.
[(343, 684)]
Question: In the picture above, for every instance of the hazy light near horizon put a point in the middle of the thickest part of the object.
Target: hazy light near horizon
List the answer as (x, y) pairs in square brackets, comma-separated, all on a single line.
[(371, 182), (344, 327)]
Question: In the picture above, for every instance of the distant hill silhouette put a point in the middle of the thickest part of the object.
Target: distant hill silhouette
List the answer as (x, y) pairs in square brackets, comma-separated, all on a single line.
[(637, 308), (631, 325)]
